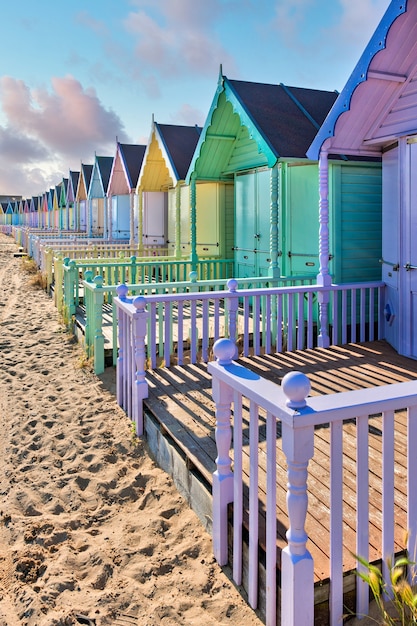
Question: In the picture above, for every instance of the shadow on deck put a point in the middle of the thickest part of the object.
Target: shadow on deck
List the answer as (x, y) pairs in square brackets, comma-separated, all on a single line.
[(180, 423)]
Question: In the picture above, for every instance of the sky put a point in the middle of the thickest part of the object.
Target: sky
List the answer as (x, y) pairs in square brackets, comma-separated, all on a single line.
[(78, 76)]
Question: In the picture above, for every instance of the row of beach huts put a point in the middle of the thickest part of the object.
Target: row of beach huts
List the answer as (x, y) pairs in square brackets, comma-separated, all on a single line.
[(287, 222)]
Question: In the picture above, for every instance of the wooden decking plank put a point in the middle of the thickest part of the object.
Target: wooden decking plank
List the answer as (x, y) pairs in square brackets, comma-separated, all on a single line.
[(332, 370)]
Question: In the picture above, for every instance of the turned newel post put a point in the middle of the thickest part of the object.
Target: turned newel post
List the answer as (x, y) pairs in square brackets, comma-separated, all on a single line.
[(121, 291), (140, 389), (297, 563), (323, 278), (224, 351)]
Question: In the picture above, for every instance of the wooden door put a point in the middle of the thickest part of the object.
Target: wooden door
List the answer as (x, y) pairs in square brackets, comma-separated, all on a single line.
[(245, 226), (301, 248), (252, 223), (408, 275)]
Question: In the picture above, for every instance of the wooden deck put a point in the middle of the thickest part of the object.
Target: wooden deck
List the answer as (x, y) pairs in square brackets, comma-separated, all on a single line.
[(180, 403)]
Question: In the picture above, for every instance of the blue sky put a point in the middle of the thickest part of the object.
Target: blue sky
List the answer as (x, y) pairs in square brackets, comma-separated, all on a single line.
[(76, 76)]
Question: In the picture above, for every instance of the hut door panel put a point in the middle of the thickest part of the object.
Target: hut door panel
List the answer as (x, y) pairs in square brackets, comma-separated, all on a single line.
[(390, 243), (83, 215), (121, 217), (409, 258), (154, 217), (301, 218), (245, 226), (263, 203), (208, 220)]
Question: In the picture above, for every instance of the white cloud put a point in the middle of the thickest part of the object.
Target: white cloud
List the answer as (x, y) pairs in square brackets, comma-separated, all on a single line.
[(358, 20), (177, 37)]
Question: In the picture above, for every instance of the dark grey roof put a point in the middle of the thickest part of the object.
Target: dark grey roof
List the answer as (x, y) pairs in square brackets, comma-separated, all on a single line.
[(288, 117), (74, 179), (180, 143), (132, 155), (87, 171), (104, 164)]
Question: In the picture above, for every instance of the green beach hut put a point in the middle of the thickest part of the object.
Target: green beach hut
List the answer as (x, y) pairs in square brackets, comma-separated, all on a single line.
[(251, 181)]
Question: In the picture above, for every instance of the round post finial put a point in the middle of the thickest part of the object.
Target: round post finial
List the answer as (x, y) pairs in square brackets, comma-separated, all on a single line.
[(296, 387), (139, 303), (121, 291), (224, 350), (232, 284), (193, 277)]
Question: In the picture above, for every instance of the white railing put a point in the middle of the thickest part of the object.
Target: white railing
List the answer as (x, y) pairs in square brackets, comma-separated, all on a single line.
[(249, 398), (263, 321)]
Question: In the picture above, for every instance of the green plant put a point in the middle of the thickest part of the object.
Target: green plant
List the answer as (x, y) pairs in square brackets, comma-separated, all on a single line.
[(396, 598), (133, 434)]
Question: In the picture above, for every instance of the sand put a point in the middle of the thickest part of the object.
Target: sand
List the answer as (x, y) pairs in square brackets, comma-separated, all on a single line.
[(91, 530)]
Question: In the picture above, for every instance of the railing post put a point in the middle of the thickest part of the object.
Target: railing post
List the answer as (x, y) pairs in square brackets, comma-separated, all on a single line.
[(98, 326), (232, 308), (67, 302), (323, 277), (224, 350), (88, 278), (297, 566), (140, 388), (49, 256), (58, 279), (133, 270), (121, 291)]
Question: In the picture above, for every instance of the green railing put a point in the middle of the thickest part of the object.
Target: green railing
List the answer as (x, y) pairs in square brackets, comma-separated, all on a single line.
[(132, 271), (97, 294)]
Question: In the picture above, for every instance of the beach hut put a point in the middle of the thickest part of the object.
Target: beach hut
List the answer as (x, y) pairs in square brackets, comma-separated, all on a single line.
[(7, 211), (71, 195), (81, 196), (122, 190), (97, 198), (36, 212), (62, 202), (163, 198), (42, 210), (262, 189), (375, 116)]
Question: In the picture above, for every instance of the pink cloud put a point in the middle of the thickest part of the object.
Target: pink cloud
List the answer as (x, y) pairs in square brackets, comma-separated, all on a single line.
[(69, 119), (49, 131)]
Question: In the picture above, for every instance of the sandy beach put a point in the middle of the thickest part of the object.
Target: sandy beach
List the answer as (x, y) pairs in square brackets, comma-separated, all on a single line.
[(92, 531)]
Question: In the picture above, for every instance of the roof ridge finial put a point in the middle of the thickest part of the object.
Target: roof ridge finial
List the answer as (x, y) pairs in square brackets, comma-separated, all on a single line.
[(221, 76)]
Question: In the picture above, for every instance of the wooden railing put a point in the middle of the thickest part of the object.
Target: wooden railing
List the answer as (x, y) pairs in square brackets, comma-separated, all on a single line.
[(260, 321), (299, 419), (96, 294)]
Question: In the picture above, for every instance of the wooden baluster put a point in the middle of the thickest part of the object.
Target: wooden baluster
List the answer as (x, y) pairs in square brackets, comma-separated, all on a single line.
[(232, 308), (297, 563), (224, 350), (140, 388), (98, 326), (121, 291)]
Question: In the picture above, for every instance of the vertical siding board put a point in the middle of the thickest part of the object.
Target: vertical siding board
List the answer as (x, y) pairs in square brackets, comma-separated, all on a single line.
[(360, 204)]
